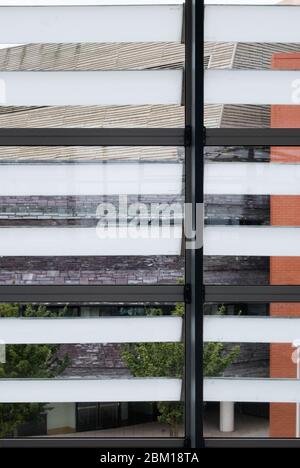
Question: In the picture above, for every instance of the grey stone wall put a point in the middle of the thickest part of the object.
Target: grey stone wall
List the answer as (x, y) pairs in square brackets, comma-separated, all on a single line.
[(252, 361), (91, 270)]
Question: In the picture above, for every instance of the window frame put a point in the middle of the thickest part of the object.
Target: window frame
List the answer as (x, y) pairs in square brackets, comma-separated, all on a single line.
[(250, 137), (191, 292)]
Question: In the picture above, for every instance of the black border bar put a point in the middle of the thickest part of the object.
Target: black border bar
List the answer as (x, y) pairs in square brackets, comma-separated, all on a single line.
[(251, 294), (252, 137), (93, 137), (102, 293)]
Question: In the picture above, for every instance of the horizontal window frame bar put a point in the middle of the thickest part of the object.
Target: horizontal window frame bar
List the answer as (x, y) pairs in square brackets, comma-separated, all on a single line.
[(228, 442), (102, 293), (252, 137), (77, 442), (251, 294), (93, 137)]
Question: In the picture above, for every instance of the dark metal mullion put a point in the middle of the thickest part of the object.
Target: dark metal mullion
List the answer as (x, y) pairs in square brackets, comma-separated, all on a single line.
[(194, 13), (92, 137)]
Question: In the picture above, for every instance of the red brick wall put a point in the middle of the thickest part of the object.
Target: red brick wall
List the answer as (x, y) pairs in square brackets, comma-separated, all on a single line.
[(285, 211)]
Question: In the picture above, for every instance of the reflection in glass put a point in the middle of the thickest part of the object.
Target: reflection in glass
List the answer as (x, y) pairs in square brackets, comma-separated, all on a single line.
[(110, 363)]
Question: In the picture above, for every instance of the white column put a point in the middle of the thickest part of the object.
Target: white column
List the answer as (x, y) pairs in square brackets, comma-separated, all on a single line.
[(226, 416)]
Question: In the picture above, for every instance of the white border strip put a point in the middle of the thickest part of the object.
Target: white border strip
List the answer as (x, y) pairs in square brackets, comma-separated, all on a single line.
[(252, 390), (251, 179), (117, 23), (252, 241), (90, 330), (89, 390), (251, 329), (257, 23), (63, 88)]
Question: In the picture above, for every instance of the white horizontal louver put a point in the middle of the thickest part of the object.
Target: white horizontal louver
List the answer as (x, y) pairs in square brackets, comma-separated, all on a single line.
[(258, 241), (252, 390), (229, 329), (104, 23), (251, 179), (107, 178), (90, 88), (90, 330), (251, 23), (89, 390), (251, 87), (70, 241)]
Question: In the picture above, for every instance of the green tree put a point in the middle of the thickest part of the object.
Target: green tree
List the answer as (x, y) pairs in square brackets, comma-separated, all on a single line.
[(167, 360), (27, 361)]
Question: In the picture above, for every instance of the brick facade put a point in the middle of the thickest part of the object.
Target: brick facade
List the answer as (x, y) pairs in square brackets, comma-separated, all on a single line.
[(285, 211)]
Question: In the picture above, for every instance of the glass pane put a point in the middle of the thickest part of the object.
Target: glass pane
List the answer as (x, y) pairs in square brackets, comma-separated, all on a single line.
[(259, 95), (251, 360), (255, 214), (119, 383), (91, 215)]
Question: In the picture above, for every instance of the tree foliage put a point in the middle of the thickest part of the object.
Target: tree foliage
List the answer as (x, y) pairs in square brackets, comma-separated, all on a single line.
[(167, 360), (27, 361)]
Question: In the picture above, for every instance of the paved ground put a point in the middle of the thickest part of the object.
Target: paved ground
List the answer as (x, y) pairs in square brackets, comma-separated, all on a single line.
[(139, 430), (246, 426)]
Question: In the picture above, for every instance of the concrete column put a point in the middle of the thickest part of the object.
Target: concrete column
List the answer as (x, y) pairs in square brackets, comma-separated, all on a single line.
[(226, 416)]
